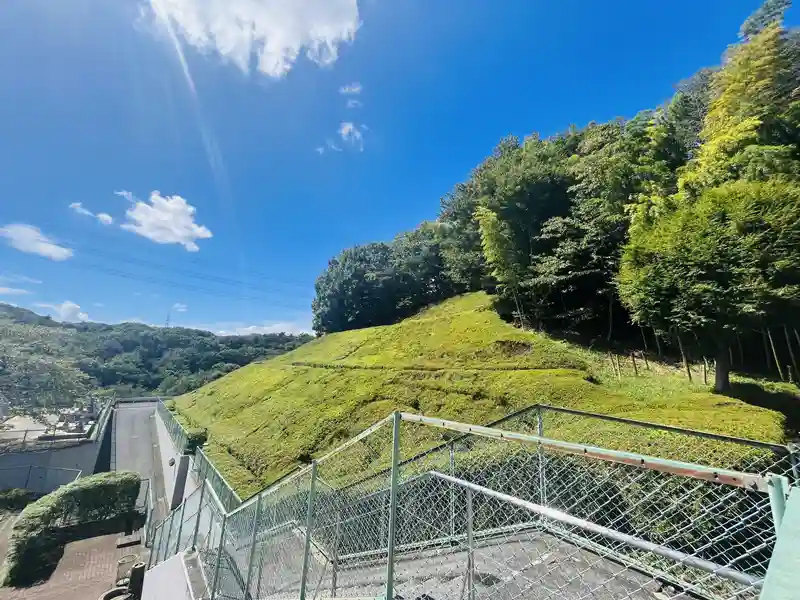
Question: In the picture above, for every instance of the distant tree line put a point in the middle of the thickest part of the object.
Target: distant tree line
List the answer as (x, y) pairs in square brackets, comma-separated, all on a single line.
[(43, 361), (679, 228)]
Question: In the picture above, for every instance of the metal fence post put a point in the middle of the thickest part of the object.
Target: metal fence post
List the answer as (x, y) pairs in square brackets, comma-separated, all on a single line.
[(470, 550), (169, 534), (793, 460), (396, 419), (335, 565), (253, 542), (219, 556), (309, 526), (452, 490), (778, 490), (199, 514), (180, 527), (541, 457)]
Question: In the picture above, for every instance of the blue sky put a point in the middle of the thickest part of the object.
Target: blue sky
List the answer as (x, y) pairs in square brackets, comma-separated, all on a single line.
[(203, 159)]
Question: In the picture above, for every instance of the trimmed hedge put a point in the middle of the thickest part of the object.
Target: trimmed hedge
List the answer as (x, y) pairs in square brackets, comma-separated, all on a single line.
[(39, 532), (15, 499)]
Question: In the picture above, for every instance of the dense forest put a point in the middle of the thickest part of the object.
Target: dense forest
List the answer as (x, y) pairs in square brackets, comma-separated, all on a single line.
[(678, 228), (43, 361)]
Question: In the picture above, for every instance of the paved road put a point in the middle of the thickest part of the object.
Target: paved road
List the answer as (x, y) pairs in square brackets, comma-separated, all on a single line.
[(136, 446)]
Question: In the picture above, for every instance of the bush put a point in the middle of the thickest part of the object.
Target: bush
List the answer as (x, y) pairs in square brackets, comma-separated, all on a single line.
[(15, 499), (38, 533), (195, 438)]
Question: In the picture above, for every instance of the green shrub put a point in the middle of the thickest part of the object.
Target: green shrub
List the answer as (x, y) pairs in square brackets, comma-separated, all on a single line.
[(38, 533), (195, 438), (15, 499)]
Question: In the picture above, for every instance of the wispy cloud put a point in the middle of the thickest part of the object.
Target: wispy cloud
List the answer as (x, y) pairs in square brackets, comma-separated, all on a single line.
[(180, 307), (351, 89), (66, 311), (10, 291), (351, 134), (235, 328), (268, 33), (332, 146), (165, 220), (353, 103), (13, 278), (103, 218), (30, 239)]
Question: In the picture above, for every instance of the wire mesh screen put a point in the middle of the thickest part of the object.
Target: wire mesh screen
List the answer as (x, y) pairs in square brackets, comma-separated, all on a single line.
[(647, 438), (500, 513), (175, 430), (206, 471)]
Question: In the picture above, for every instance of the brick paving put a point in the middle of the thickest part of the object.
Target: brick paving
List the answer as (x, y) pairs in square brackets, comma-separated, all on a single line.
[(86, 570)]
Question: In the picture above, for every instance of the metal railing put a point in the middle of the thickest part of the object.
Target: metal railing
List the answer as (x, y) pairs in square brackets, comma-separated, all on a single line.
[(419, 507), (36, 479), (176, 432), (206, 471)]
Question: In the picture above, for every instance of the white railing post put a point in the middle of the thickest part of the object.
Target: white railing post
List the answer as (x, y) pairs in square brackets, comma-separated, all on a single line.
[(253, 542), (470, 550), (199, 514), (395, 476), (309, 527)]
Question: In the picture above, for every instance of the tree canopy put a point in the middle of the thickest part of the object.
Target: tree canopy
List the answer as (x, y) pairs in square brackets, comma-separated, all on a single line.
[(681, 220)]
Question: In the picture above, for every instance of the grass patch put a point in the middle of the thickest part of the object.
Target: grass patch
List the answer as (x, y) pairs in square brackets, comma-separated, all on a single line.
[(457, 360)]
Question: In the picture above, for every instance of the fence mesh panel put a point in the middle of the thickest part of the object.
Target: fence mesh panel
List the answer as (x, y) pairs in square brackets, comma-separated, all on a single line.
[(480, 513)]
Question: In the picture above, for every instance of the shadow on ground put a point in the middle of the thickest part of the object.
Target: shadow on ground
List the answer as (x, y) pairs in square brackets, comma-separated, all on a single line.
[(39, 570), (783, 402)]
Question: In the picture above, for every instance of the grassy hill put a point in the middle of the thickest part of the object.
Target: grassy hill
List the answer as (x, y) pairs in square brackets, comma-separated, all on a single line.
[(456, 360)]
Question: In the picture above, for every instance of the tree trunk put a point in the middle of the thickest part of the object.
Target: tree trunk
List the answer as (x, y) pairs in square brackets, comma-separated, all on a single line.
[(644, 338), (789, 346), (683, 356), (722, 376), (775, 354), (658, 343), (610, 317)]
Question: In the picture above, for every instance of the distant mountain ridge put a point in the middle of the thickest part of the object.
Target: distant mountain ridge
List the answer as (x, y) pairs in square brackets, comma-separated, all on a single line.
[(43, 360)]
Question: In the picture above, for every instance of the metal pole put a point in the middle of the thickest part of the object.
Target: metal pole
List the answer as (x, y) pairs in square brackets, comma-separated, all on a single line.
[(540, 453), (335, 565), (252, 548), (793, 460), (180, 527), (199, 513), (219, 557), (470, 550), (28, 476), (452, 490), (309, 527), (169, 533), (778, 490), (393, 505)]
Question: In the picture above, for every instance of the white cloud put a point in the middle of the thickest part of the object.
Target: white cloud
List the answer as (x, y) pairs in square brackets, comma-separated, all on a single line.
[(332, 146), (98, 304), (353, 103), (351, 134), (66, 311), (11, 278), (320, 149), (10, 291), (180, 307), (351, 89), (104, 218), (166, 220), (293, 327), (273, 32), (30, 239)]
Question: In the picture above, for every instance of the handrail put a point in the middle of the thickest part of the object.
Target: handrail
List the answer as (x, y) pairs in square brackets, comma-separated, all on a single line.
[(725, 476), (611, 534)]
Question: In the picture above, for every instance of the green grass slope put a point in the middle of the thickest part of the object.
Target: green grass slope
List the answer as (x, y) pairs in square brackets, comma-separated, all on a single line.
[(457, 360)]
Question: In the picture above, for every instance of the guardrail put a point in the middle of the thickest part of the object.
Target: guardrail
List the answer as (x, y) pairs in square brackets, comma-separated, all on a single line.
[(206, 471), (491, 511), (176, 432)]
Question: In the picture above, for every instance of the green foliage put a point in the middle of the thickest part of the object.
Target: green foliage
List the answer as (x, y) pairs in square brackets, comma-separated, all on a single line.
[(15, 499), (45, 362), (37, 531), (458, 360)]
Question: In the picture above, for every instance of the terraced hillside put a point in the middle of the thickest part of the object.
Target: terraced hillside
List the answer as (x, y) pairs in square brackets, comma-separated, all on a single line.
[(457, 360)]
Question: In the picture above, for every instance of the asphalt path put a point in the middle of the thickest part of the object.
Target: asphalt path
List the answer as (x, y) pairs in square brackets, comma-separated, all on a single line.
[(136, 447)]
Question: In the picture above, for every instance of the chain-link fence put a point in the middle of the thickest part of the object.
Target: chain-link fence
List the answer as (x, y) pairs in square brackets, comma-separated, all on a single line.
[(206, 471), (176, 432), (426, 509)]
